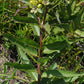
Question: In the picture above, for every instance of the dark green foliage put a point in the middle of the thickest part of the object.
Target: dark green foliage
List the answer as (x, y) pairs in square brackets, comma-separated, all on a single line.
[(47, 36), (25, 19)]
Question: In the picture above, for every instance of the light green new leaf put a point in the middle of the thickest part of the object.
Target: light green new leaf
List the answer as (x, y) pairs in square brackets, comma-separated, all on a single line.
[(61, 73), (58, 17), (34, 75), (58, 30), (24, 44), (53, 66), (36, 29), (23, 56), (80, 33), (47, 28), (25, 19)]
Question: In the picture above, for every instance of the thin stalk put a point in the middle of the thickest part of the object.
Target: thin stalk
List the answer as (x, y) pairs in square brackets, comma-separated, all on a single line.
[(46, 10), (40, 50), (39, 53), (3, 6), (39, 70)]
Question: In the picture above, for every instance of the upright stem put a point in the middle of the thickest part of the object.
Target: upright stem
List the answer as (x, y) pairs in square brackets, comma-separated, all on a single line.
[(46, 10), (39, 70)]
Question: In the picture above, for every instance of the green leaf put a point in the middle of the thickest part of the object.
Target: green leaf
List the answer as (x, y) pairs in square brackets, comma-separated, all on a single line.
[(23, 67), (43, 59), (55, 47), (53, 66), (32, 15), (24, 44), (46, 81), (47, 28), (34, 75), (76, 11), (76, 68), (25, 60), (55, 3), (36, 29), (77, 18), (58, 30), (70, 79), (25, 19), (81, 81), (23, 56), (58, 81), (34, 82), (58, 17), (73, 5), (80, 33), (61, 73)]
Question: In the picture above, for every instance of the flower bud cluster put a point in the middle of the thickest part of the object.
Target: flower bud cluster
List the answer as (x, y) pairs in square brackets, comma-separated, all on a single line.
[(36, 3)]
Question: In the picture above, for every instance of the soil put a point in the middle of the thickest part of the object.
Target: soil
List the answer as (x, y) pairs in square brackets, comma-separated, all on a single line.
[(9, 56)]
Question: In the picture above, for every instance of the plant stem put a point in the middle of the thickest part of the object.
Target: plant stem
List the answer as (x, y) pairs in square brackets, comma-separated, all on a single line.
[(39, 70), (45, 15)]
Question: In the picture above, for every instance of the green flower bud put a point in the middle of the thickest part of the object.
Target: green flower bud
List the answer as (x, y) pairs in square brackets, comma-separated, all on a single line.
[(39, 5)]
